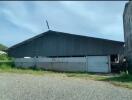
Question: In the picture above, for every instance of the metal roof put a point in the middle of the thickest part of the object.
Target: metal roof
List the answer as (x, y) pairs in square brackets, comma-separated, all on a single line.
[(55, 32)]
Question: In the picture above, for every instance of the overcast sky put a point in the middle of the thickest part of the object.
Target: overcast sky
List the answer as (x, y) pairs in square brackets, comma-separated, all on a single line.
[(22, 20)]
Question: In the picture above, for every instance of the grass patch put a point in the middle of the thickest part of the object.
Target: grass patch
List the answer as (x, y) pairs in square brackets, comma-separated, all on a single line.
[(11, 69), (95, 76), (124, 80)]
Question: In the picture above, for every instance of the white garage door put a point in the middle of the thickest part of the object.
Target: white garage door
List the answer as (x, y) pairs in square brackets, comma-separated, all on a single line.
[(98, 64)]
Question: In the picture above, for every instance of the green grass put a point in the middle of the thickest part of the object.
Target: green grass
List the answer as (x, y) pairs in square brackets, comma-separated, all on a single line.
[(10, 69), (93, 76), (124, 80)]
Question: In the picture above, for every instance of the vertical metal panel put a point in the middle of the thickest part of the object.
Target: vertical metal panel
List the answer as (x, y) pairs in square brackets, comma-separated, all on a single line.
[(98, 64), (109, 64)]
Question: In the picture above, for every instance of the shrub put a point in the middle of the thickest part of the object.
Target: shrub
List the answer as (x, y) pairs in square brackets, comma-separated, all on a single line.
[(5, 66), (5, 57)]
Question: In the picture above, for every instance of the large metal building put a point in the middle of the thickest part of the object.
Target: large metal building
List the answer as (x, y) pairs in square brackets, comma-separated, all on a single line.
[(127, 20), (54, 44)]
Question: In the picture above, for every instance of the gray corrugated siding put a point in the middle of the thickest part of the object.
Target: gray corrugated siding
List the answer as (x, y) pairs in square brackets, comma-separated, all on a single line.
[(57, 44), (128, 32), (69, 64)]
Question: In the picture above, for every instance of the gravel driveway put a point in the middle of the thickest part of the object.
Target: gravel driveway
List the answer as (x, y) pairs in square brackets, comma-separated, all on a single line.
[(48, 87)]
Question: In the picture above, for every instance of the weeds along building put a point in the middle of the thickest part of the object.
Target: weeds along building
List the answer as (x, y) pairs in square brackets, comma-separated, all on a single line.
[(52, 44), (127, 20)]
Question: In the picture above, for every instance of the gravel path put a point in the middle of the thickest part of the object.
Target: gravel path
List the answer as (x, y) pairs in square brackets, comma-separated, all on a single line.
[(31, 87)]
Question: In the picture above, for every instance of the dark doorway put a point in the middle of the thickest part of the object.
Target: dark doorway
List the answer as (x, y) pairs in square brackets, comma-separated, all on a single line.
[(114, 58), (115, 67)]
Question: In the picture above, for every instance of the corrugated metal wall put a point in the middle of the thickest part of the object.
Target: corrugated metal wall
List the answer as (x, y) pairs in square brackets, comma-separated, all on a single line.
[(59, 44), (70, 64), (57, 64)]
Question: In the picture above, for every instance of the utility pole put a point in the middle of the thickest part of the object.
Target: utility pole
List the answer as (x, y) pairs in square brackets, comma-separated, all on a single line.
[(47, 25)]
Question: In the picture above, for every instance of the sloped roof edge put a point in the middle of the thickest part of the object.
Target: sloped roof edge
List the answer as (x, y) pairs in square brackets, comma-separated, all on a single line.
[(37, 36)]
